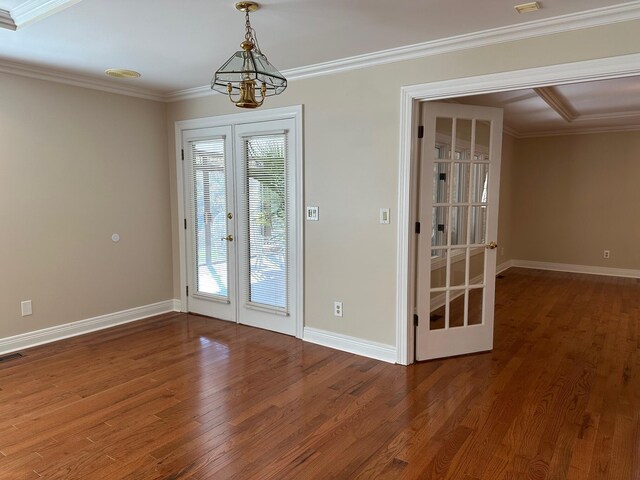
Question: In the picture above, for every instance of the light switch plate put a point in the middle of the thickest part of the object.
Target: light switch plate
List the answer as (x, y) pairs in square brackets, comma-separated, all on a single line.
[(384, 216), (313, 214)]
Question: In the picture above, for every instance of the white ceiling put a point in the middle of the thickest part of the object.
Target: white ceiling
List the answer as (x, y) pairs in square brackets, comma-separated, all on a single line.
[(606, 105), (178, 45)]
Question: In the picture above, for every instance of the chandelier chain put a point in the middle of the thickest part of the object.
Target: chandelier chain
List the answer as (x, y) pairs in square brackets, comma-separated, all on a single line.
[(248, 36)]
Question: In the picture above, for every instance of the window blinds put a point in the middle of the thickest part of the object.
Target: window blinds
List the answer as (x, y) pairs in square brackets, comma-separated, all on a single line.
[(266, 280), (208, 214)]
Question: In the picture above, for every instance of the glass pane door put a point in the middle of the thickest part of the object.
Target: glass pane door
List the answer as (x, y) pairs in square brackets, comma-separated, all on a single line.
[(209, 225), (267, 220), (240, 227), (266, 193), (460, 164), (209, 214)]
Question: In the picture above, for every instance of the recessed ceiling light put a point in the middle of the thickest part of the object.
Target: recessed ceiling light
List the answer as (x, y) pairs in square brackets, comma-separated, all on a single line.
[(122, 73), (528, 7)]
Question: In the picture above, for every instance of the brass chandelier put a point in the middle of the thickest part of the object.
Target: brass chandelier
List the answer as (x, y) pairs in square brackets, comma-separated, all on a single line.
[(248, 74)]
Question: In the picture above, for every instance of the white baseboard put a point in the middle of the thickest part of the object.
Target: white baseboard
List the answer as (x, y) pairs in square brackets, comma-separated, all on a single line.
[(177, 305), (59, 332), (366, 348), (504, 266), (567, 267)]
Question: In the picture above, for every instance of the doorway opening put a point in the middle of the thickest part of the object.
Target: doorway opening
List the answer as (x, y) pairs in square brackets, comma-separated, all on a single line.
[(578, 72)]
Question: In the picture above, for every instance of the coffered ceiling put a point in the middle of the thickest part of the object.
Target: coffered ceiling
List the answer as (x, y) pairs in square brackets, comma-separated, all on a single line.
[(606, 105)]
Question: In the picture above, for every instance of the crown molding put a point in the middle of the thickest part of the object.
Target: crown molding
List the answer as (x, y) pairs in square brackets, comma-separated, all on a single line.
[(608, 116), (510, 131), (77, 81), (6, 20), (579, 131), (575, 21), (31, 11), (195, 92)]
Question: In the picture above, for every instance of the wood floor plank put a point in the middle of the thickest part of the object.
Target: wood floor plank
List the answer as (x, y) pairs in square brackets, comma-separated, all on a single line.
[(182, 396)]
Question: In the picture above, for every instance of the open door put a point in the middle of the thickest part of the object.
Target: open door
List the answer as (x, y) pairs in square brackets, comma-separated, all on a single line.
[(458, 218)]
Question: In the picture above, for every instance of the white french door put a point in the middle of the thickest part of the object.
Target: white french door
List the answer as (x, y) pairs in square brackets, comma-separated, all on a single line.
[(210, 221), (458, 215), (240, 223)]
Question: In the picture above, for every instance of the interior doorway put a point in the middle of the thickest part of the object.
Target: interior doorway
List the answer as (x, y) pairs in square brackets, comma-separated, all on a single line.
[(457, 210), (410, 106)]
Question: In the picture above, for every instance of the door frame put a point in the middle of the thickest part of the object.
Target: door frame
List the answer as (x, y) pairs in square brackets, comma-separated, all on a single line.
[(293, 112), (410, 99)]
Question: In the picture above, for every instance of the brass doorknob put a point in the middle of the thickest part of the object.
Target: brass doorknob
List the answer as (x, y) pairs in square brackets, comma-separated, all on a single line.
[(228, 238), (491, 245)]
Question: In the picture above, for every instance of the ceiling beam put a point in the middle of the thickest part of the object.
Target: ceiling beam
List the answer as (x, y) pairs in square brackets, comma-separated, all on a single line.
[(557, 102), (32, 11)]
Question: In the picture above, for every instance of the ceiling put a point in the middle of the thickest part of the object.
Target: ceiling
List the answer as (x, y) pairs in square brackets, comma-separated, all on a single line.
[(605, 105), (177, 45)]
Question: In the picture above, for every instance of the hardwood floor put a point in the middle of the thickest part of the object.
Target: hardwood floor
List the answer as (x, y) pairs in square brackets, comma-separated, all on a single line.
[(181, 396)]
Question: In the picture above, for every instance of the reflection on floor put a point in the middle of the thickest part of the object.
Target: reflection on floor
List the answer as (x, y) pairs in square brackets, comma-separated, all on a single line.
[(186, 397)]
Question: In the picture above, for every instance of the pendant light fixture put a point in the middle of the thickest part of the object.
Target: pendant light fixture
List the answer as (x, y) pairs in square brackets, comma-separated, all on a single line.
[(248, 74)]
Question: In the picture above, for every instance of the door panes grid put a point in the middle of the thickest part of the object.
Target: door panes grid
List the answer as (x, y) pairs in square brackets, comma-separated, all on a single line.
[(267, 280), (460, 186), (208, 214)]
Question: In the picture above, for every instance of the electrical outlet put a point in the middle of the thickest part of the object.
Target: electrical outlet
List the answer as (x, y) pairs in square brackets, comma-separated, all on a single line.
[(26, 308), (337, 309), (607, 254)]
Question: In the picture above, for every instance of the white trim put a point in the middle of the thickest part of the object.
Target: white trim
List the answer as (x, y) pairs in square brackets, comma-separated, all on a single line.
[(181, 216), (506, 265), (574, 21), (66, 78), (53, 334), (571, 268), (405, 258), (557, 103), (345, 343), (577, 131), (194, 92), (296, 113), (6, 20), (589, 70), (177, 305), (32, 11)]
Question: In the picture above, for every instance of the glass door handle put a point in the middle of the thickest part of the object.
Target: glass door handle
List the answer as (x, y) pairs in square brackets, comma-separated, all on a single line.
[(491, 245), (228, 238)]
